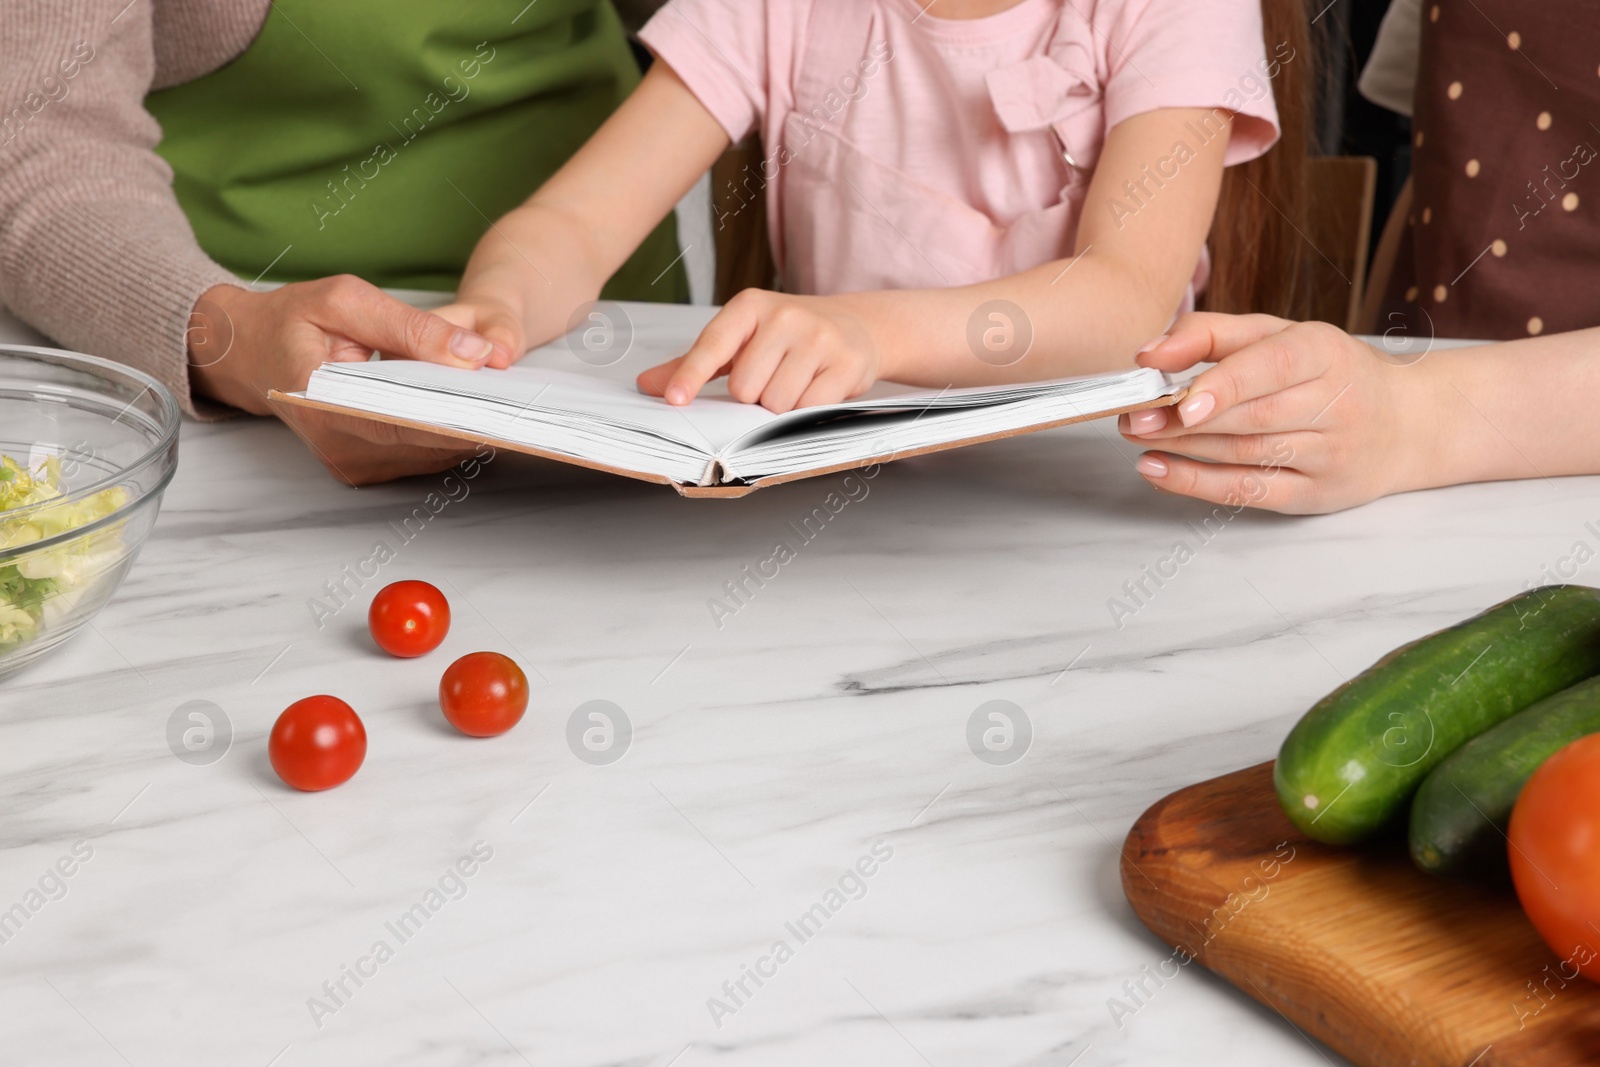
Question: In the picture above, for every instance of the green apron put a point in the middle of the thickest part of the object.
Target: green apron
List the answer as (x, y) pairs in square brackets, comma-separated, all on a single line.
[(381, 137)]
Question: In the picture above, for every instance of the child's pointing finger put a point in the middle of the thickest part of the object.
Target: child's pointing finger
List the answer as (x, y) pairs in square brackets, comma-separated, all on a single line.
[(709, 357)]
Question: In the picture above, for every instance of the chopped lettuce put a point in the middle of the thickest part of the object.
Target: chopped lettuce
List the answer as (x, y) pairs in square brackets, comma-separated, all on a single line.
[(38, 588)]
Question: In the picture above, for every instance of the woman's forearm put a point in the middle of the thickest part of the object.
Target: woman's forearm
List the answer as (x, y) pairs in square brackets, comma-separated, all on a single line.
[(1518, 409)]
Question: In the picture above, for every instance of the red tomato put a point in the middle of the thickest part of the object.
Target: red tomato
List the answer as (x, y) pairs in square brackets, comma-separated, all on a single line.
[(483, 694), (409, 618), (317, 743), (1555, 854)]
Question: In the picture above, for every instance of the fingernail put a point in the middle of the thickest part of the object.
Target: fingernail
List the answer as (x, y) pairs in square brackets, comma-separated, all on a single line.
[(1147, 421), (677, 395), (1155, 344), (1196, 408), (470, 347), (1152, 466)]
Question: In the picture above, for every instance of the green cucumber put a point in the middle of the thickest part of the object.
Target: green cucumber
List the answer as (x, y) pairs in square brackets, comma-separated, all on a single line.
[(1460, 814), (1349, 767)]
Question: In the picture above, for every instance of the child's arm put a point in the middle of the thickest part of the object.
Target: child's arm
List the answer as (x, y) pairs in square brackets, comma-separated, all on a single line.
[(1302, 417), (1088, 313), (552, 255)]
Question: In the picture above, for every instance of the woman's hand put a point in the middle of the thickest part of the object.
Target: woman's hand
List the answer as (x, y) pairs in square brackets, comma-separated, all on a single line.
[(242, 344), (782, 351), (360, 451), (1295, 417)]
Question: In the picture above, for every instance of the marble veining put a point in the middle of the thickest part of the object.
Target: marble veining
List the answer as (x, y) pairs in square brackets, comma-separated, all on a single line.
[(214, 917)]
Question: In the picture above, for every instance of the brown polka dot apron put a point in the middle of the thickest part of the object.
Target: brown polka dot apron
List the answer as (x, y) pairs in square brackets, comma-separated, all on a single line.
[(1504, 235)]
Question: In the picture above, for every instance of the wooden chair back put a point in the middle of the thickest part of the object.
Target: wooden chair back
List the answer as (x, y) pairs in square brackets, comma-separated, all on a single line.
[(1341, 191), (1383, 261), (739, 222)]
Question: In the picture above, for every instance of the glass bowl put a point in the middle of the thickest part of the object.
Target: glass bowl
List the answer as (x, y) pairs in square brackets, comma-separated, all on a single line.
[(87, 447)]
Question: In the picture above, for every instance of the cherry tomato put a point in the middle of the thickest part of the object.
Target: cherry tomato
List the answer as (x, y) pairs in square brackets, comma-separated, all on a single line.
[(1555, 854), (317, 743), (483, 694), (409, 618)]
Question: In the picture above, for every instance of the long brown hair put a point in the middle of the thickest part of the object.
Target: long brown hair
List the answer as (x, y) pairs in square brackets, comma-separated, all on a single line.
[(1258, 251)]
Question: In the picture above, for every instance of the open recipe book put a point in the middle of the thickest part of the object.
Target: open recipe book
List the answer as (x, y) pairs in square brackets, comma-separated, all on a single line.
[(558, 403)]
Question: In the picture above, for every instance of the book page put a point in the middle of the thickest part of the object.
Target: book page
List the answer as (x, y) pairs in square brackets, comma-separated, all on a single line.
[(577, 396), (564, 376), (708, 424)]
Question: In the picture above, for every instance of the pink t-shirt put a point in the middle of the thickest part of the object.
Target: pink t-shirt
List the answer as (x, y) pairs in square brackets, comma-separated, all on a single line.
[(904, 150)]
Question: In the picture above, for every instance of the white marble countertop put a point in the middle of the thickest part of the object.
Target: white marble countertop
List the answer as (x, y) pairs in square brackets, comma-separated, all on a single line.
[(826, 719)]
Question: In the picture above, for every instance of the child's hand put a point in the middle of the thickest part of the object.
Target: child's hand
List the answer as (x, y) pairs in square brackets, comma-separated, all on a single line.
[(491, 317), (784, 351), (1295, 417)]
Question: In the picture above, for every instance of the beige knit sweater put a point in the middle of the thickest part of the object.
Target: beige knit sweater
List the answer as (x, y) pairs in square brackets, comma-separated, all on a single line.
[(94, 249)]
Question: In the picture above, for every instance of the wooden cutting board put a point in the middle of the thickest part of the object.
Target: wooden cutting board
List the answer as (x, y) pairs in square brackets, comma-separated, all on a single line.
[(1391, 967)]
